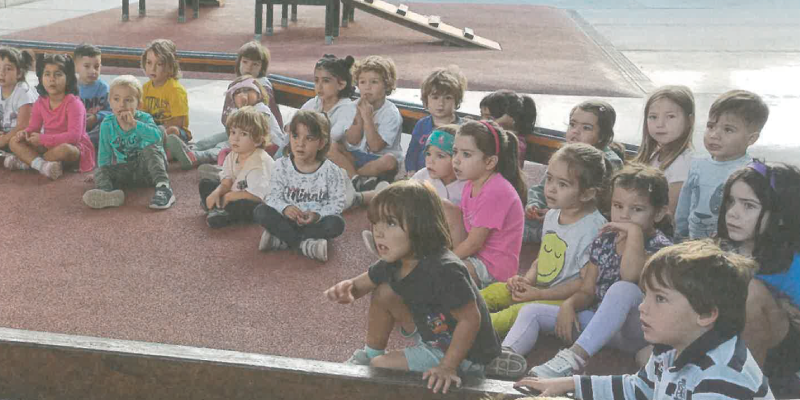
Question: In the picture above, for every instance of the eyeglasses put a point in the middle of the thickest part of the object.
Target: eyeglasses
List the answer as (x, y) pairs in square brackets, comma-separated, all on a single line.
[(764, 170)]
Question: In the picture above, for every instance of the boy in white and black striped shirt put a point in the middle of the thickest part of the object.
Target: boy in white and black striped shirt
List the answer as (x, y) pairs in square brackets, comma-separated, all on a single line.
[(693, 312)]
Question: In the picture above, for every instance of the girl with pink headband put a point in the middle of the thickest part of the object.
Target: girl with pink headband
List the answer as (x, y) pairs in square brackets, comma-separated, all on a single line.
[(491, 202)]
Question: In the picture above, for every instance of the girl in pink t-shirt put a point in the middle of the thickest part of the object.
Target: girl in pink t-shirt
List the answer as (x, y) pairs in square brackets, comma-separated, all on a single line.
[(56, 132), (491, 203)]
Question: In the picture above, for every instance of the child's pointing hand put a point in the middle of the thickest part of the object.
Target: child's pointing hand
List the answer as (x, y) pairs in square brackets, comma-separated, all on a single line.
[(342, 292)]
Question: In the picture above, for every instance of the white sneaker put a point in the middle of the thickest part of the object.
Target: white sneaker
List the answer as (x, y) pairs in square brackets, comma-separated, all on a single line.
[(565, 364), (270, 242), (315, 249), (52, 169), (12, 162)]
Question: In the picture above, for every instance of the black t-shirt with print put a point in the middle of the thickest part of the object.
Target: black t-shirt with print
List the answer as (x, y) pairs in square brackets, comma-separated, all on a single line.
[(440, 283)]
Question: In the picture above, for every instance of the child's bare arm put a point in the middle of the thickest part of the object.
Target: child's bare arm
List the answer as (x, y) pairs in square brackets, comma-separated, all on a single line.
[(355, 132), (469, 323), (473, 243), (23, 117), (562, 291), (374, 139), (349, 290), (585, 296)]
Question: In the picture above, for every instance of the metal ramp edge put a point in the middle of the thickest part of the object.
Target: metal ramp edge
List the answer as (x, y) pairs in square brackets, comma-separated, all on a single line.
[(429, 25)]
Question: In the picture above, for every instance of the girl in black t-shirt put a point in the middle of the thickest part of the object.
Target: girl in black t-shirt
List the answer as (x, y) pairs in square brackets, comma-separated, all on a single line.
[(420, 285)]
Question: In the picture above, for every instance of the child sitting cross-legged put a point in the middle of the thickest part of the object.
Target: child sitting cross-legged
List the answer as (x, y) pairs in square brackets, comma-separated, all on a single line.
[(421, 286), (694, 313), (130, 151), (245, 172), (372, 150), (306, 198)]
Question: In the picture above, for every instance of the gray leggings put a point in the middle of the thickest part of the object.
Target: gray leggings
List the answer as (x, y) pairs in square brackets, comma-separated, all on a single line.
[(615, 323)]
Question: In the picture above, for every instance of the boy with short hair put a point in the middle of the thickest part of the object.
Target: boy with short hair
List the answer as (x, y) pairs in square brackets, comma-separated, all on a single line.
[(693, 312), (93, 90), (734, 123), (130, 151), (441, 93), (372, 150)]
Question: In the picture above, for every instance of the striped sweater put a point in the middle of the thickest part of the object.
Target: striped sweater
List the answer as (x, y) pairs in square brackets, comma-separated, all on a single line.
[(712, 367)]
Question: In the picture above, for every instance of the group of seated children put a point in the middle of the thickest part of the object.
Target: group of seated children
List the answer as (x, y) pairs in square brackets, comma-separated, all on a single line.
[(449, 237), (689, 312)]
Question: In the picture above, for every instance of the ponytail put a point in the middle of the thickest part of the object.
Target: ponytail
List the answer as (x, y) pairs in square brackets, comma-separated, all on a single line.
[(483, 133)]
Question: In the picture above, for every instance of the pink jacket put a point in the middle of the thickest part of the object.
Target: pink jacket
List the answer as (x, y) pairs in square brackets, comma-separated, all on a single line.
[(65, 124)]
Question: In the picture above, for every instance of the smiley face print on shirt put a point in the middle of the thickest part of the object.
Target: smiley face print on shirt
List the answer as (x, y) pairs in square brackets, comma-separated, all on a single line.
[(551, 258)]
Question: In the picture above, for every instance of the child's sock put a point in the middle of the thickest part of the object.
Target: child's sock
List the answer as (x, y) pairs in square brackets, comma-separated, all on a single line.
[(372, 353), (37, 163)]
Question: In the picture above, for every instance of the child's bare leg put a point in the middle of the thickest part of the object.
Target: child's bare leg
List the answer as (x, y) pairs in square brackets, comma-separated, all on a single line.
[(385, 310), (378, 167), (23, 150), (65, 152), (455, 221), (4, 139), (766, 323), (341, 157)]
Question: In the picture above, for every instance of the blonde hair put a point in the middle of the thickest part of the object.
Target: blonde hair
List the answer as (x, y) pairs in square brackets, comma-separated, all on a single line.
[(683, 97), (444, 81), (130, 82), (251, 120), (164, 49), (383, 66)]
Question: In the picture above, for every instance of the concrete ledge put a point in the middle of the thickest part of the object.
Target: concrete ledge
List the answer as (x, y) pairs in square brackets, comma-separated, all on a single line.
[(40, 365)]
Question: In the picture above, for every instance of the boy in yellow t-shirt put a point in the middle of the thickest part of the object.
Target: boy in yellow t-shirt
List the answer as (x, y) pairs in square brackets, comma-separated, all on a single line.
[(164, 97)]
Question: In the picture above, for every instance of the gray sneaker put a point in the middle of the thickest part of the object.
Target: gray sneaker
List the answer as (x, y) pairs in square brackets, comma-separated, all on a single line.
[(563, 365), (180, 151), (270, 242), (315, 249), (507, 365), (359, 357), (163, 198), (99, 198), (218, 218)]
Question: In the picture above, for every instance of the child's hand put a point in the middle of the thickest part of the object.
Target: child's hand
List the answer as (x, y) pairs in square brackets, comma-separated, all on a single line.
[(213, 200), (126, 120), (94, 110), (548, 387), (524, 292), (515, 283), (567, 323), (365, 109), (441, 377), (308, 217), (623, 229), (341, 292), (293, 213), (33, 139), (535, 213)]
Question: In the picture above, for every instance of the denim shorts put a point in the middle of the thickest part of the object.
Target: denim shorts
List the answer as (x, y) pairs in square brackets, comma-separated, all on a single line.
[(484, 276), (422, 357), (361, 158)]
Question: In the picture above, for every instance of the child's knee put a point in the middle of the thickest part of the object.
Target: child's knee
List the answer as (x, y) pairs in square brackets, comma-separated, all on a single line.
[(385, 296), (760, 302), (625, 289), (173, 130), (497, 296), (387, 162)]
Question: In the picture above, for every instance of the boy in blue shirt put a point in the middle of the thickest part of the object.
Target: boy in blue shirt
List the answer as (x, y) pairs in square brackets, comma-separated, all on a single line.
[(93, 90), (734, 124), (130, 151), (693, 312)]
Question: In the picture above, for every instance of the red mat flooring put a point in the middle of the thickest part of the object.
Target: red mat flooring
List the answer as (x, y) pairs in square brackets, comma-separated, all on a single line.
[(544, 51)]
